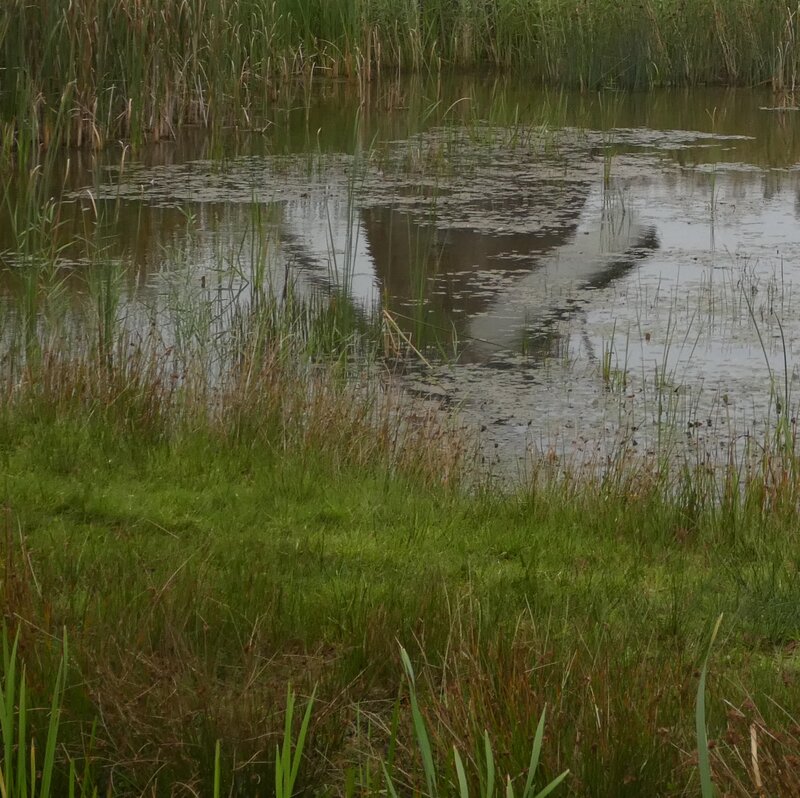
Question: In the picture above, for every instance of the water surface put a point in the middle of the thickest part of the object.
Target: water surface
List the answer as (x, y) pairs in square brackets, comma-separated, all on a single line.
[(576, 275)]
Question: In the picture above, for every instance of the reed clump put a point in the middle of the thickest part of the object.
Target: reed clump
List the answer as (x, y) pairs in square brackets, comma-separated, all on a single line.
[(87, 73)]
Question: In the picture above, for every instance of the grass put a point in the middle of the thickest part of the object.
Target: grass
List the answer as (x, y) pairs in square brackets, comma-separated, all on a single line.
[(15, 778), (202, 556), (85, 74)]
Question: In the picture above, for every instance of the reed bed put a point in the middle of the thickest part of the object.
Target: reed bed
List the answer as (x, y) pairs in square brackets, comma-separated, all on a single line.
[(90, 72)]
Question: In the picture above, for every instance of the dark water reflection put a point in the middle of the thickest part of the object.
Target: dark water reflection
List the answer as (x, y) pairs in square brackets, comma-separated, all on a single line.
[(333, 120)]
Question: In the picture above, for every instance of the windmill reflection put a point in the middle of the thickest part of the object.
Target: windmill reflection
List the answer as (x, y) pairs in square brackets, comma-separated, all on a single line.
[(500, 291)]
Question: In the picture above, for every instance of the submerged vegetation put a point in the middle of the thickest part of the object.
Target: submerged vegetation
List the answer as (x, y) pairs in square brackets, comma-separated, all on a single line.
[(88, 73)]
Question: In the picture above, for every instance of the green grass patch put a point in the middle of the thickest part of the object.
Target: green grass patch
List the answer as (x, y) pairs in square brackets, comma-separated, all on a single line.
[(195, 580)]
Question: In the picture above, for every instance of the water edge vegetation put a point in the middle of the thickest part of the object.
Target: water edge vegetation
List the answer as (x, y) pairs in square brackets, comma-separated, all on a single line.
[(211, 521), (80, 73)]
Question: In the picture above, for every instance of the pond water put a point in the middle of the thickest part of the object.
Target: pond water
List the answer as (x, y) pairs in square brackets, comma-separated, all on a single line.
[(577, 275)]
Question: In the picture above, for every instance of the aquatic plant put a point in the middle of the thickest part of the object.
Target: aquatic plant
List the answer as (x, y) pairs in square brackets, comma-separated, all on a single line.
[(87, 73)]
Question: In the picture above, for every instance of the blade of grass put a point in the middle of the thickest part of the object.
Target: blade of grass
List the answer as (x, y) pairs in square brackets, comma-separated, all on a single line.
[(552, 785), (390, 788), (22, 724), (703, 761), (287, 762), (52, 729), (301, 740), (463, 789), (7, 696), (216, 770), (487, 747), (419, 726)]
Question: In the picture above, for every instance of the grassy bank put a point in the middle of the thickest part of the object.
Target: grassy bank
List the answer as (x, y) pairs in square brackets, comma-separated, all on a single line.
[(86, 73), (203, 541)]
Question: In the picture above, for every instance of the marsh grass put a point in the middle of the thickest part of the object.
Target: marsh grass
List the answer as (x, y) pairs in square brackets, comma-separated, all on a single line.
[(85, 74), (25, 772), (199, 565)]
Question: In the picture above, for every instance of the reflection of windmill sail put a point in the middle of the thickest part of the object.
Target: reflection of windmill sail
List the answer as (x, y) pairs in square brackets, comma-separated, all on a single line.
[(408, 251), (461, 275), (600, 251), (326, 239)]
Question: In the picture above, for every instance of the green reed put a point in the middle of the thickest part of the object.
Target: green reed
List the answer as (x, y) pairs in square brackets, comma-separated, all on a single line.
[(25, 773), (87, 73)]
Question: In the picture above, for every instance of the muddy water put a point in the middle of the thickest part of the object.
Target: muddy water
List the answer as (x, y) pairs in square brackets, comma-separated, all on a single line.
[(577, 276)]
